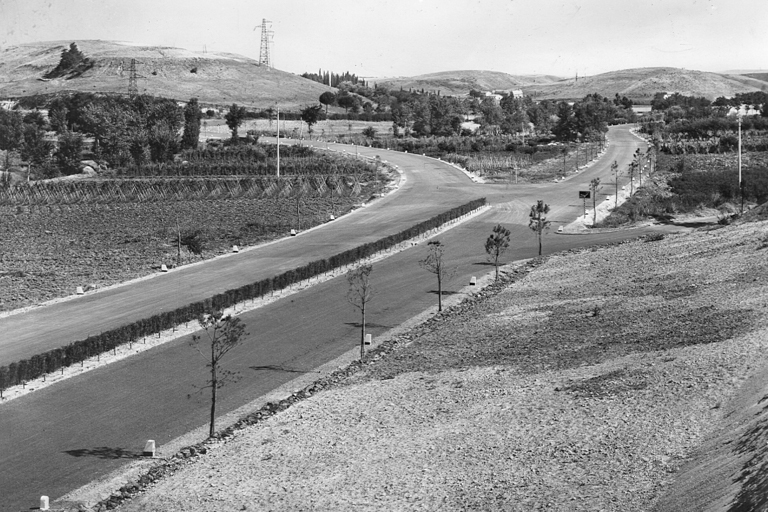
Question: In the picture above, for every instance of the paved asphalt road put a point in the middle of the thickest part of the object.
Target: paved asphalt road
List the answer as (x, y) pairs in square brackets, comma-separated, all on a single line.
[(64, 436)]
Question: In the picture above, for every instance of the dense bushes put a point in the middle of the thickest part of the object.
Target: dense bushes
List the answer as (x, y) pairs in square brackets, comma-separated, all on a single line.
[(79, 351), (715, 187)]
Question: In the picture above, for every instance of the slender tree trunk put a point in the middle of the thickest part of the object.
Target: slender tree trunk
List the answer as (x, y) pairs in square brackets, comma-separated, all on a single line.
[(362, 332), (439, 290), (214, 382)]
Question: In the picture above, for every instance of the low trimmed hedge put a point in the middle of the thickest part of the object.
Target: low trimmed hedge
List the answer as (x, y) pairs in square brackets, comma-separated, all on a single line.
[(78, 351)]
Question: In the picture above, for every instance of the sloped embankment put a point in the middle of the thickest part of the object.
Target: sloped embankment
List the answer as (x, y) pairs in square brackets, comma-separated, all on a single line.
[(585, 384)]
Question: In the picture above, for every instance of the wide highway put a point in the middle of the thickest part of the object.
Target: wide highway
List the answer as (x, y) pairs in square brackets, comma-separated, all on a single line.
[(62, 437)]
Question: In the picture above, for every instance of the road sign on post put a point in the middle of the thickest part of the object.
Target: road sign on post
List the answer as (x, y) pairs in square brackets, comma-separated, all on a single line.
[(584, 194)]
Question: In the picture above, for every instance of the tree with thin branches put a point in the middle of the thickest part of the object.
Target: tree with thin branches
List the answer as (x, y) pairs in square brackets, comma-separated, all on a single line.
[(538, 222), (359, 295), (496, 244), (593, 185), (434, 263), (223, 333)]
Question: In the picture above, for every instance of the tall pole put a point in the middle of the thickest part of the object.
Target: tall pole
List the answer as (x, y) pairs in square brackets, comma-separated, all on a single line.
[(278, 142), (741, 188)]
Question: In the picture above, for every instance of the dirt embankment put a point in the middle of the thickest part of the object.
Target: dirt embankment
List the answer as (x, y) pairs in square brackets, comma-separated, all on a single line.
[(585, 384)]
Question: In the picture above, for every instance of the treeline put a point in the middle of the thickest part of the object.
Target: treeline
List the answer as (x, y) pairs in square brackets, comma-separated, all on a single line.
[(78, 351), (680, 124), (137, 130), (334, 79), (251, 160)]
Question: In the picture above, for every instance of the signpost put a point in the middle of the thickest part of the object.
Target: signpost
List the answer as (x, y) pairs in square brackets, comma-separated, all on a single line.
[(585, 194)]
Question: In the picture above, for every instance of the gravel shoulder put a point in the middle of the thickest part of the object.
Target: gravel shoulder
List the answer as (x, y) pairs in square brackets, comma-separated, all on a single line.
[(591, 380)]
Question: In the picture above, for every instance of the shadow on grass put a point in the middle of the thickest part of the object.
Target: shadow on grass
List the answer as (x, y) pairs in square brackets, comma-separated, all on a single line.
[(445, 292), (104, 452)]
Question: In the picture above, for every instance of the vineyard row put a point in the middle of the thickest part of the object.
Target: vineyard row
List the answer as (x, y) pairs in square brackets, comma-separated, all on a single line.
[(157, 190)]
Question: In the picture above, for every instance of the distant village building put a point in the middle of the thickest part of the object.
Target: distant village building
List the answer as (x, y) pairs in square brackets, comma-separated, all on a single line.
[(496, 97), (517, 93), (743, 110), (7, 104)]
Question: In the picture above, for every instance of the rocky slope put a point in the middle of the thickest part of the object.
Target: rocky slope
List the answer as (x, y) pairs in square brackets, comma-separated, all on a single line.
[(213, 78), (584, 382)]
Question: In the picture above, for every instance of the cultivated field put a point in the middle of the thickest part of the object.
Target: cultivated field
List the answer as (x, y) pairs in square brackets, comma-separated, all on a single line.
[(98, 232)]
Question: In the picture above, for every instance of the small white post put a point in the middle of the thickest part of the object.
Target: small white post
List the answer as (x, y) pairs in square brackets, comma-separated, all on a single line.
[(149, 448), (472, 281), (44, 503), (79, 290), (163, 268), (235, 248), (368, 339)]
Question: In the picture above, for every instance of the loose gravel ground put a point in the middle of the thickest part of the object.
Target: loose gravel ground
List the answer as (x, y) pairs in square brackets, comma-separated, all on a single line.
[(584, 384)]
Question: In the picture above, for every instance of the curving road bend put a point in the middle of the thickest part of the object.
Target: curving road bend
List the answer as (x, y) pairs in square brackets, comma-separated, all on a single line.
[(62, 437)]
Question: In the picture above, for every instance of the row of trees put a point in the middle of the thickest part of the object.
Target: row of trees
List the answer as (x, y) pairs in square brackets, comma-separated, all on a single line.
[(79, 351), (135, 130), (334, 79), (361, 290)]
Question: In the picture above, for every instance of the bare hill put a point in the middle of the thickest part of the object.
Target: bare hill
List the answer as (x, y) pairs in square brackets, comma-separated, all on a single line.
[(213, 78), (641, 84), (457, 83)]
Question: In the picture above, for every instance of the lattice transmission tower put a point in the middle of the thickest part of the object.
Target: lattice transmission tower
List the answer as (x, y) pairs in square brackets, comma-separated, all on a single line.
[(267, 34), (133, 88)]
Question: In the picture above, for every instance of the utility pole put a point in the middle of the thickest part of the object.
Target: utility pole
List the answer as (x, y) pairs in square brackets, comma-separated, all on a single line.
[(278, 142), (615, 172), (741, 186)]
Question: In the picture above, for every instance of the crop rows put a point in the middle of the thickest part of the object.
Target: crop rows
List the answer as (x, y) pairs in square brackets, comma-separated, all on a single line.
[(187, 189), (48, 250)]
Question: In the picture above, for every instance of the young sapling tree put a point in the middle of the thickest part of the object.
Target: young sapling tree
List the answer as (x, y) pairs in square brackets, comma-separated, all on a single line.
[(359, 295), (222, 334), (538, 222), (434, 263), (496, 244)]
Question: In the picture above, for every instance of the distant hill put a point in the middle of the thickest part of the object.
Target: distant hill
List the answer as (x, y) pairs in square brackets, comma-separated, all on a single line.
[(641, 84), (213, 78), (459, 83), (757, 76)]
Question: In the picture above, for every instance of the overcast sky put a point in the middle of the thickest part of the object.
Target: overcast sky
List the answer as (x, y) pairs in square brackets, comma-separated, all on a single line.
[(376, 38)]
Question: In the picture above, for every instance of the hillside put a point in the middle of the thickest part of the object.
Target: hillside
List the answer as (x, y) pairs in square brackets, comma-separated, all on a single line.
[(641, 84), (458, 83), (213, 78), (586, 381)]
